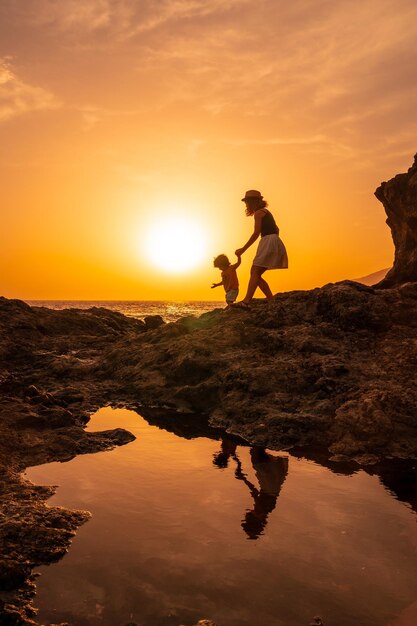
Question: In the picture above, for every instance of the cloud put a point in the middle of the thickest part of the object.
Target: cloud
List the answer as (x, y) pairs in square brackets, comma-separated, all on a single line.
[(341, 70), (93, 115), (18, 97), (326, 55), (71, 15), (123, 18), (164, 12)]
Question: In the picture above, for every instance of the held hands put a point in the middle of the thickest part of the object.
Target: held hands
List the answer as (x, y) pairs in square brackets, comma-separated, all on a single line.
[(239, 252)]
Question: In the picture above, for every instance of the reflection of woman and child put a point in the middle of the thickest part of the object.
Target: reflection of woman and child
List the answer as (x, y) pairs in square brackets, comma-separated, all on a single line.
[(271, 472), (271, 253)]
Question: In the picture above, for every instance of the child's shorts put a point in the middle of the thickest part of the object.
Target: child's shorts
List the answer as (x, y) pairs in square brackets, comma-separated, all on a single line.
[(231, 295)]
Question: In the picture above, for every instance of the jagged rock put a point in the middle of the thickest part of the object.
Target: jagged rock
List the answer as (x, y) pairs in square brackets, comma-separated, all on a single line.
[(153, 321), (399, 197)]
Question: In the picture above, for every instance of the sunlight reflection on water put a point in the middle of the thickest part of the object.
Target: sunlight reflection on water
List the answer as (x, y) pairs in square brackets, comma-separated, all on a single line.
[(170, 311)]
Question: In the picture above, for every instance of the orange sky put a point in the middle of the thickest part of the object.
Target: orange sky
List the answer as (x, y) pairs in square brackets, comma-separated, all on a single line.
[(116, 115)]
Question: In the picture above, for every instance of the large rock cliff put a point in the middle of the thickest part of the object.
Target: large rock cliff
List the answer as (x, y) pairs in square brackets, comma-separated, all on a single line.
[(399, 197)]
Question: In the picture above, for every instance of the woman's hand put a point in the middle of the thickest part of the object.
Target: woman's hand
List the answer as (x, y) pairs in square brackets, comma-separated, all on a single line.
[(239, 252)]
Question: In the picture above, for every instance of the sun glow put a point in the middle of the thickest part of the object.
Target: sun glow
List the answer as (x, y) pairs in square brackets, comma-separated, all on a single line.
[(176, 245)]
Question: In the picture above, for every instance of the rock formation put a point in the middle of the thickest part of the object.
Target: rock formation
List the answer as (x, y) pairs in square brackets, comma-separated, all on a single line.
[(335, 366), (399, 197)]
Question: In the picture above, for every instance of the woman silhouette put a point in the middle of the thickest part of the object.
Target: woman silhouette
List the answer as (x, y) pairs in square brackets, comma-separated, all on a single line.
[(271, 252), (271, 472)]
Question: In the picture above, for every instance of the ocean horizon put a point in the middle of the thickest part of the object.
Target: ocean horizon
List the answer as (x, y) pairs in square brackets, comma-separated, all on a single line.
[(169, 310)]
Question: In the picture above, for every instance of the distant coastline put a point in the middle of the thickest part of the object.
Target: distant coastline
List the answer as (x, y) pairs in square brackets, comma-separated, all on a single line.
[(372, 279)]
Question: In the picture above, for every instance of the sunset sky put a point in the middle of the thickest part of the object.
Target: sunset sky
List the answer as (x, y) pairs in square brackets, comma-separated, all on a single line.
[(119, 118)]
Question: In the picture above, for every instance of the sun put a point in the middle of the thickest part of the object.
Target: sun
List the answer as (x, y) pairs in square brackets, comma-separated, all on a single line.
[(176, 245)]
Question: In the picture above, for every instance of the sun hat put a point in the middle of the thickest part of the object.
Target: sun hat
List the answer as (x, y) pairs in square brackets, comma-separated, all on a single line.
[(252, 193)]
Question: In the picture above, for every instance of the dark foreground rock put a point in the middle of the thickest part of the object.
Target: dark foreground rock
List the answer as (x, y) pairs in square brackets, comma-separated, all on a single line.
[(42, 417), (335, 366)]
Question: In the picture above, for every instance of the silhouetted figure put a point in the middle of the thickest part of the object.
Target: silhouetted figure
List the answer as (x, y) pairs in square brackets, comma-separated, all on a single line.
[(271, 472), (228, 449), (229, 279), (271, 252)]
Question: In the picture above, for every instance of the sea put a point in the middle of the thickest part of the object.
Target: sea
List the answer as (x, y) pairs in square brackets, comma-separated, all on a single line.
[(169, 311)]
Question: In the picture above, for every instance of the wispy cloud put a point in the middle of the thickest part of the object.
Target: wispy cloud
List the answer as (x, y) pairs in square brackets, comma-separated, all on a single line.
[(71, 15), (18, 97), (167, 11), (343, 72), (93, 115), (340, 71), (322, 57), (123, 18)]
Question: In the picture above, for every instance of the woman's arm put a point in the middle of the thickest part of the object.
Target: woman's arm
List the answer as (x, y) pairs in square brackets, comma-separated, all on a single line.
[(256, 232)]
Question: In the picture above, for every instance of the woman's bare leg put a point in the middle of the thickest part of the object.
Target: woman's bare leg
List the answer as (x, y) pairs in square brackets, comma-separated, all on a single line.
[(264, 287), (255, 281)]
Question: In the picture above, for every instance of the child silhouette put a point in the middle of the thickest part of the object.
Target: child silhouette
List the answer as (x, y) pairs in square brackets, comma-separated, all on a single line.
[(229, 280)]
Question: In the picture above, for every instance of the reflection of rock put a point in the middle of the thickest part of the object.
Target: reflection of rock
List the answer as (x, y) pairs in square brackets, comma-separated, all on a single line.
[(186, 425), (399, 197), (399, 476)]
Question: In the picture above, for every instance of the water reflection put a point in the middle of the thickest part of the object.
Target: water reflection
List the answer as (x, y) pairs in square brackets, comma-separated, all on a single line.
[(270, 472), (399, 476), (190, 523), (227, 451)]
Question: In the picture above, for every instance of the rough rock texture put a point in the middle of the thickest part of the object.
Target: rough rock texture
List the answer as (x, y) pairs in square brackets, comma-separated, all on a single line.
[(335, 366), (399, 197)]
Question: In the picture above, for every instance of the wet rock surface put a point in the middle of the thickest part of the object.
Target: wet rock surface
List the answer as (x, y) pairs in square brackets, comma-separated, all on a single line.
[(334, 366)]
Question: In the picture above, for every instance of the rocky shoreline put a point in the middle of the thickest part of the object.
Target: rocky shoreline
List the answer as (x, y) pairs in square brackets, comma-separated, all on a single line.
[(334, 366)]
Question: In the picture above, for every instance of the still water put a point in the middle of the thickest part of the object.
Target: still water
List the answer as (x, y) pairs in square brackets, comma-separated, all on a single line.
[(188, 526)]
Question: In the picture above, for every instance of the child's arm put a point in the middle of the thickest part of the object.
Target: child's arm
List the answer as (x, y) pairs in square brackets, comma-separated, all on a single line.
[(216, 285), (238, 262)]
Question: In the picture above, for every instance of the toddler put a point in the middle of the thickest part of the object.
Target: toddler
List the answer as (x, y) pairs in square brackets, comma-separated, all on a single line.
[(229, 280)]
